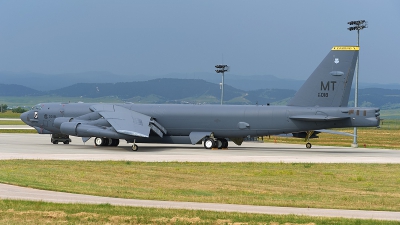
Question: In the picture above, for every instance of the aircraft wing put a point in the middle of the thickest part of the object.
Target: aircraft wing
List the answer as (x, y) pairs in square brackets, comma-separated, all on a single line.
[(316, 118), (129, 122)]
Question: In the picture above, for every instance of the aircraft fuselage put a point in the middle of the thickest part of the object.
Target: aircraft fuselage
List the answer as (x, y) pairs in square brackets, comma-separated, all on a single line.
[(223, 121)]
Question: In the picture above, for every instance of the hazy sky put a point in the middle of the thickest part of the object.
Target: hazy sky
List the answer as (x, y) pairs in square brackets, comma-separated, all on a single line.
[(287, 39)]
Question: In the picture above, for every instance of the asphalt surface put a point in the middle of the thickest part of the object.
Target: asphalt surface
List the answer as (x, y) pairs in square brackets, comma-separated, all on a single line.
[(34, 146)]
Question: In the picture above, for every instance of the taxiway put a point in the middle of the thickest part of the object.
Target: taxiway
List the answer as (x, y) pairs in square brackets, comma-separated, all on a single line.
[(34, 146)]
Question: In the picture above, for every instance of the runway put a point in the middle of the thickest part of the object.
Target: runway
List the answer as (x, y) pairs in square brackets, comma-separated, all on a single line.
[(34, 146), (16, 127)]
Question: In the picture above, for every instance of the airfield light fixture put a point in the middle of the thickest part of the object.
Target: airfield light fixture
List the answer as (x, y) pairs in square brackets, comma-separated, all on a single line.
[(357, 25), (222, 69)]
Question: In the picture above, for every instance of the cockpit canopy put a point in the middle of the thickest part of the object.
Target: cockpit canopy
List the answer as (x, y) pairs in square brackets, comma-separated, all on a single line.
[(37, 107)]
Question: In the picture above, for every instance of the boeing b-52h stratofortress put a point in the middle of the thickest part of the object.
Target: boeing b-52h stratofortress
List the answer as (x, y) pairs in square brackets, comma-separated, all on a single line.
[(321, 103)]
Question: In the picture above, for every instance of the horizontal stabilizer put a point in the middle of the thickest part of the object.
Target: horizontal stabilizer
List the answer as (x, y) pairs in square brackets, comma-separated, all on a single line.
[(316, 118)]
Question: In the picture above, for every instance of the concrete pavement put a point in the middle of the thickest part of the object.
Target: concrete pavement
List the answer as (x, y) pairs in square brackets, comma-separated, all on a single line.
[(34, 146)]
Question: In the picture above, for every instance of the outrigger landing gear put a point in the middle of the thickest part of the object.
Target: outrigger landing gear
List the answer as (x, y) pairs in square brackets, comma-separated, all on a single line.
[(134, 146), (309, 133)]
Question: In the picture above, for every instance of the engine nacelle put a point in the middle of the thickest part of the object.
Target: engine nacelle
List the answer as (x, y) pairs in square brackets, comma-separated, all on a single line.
[(69, 128), (99, 122), (58, 121), (85, 130)]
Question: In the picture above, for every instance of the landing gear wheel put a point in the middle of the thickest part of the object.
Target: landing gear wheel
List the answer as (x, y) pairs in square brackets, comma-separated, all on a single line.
[(308, 145), (110, 141), (66, 142), (209, 143), (114, 142), (224, 143), (55, 142), (135, 147), (219, 143), (101, 141)]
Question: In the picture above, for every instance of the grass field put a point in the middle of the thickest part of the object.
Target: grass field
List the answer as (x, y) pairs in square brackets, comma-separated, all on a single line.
[(26, 212), (343, 186), (387, 136), (10, 114), (11, 122)]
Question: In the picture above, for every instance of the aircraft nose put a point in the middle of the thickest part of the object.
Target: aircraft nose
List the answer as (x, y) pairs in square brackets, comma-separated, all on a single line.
[(24, 117)]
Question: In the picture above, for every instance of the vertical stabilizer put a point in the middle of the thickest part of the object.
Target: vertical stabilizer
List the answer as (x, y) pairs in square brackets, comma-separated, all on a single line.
[(330, 83)]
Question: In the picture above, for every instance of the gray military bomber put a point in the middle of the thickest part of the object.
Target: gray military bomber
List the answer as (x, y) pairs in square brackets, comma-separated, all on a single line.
[(321, 103)]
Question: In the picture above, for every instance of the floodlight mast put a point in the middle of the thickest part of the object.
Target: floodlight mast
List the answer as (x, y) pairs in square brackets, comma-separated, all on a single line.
[(222, 69), (357, 25)]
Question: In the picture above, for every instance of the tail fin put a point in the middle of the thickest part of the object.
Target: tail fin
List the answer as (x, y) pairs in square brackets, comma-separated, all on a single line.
[(330, 84)]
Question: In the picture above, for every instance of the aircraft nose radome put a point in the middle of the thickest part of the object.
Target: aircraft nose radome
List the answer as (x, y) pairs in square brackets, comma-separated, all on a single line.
[(24, 116)]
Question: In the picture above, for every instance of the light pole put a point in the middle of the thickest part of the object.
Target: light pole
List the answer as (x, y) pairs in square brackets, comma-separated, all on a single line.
[(357, 25), (222, 69)]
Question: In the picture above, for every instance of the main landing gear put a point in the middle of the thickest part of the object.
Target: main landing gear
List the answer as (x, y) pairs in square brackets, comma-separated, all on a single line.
[(309, 133), (106, 142), (56, 138), (219, 143)]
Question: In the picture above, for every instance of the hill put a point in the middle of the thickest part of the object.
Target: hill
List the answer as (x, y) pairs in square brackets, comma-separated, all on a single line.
[(16, 90), (46, 82), (168, 90), (194, 91)]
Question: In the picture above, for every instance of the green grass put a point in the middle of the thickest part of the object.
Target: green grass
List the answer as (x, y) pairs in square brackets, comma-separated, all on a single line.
[(11, 122), (390, 114), (18, 131), (342, 186), (9, 114), (387, 136), (29, 212)]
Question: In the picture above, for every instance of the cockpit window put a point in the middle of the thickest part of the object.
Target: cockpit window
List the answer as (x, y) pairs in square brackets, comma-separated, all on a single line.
[(37, 107)]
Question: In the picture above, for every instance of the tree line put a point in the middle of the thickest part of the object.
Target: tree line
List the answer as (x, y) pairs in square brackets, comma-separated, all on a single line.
[(4, 108)]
